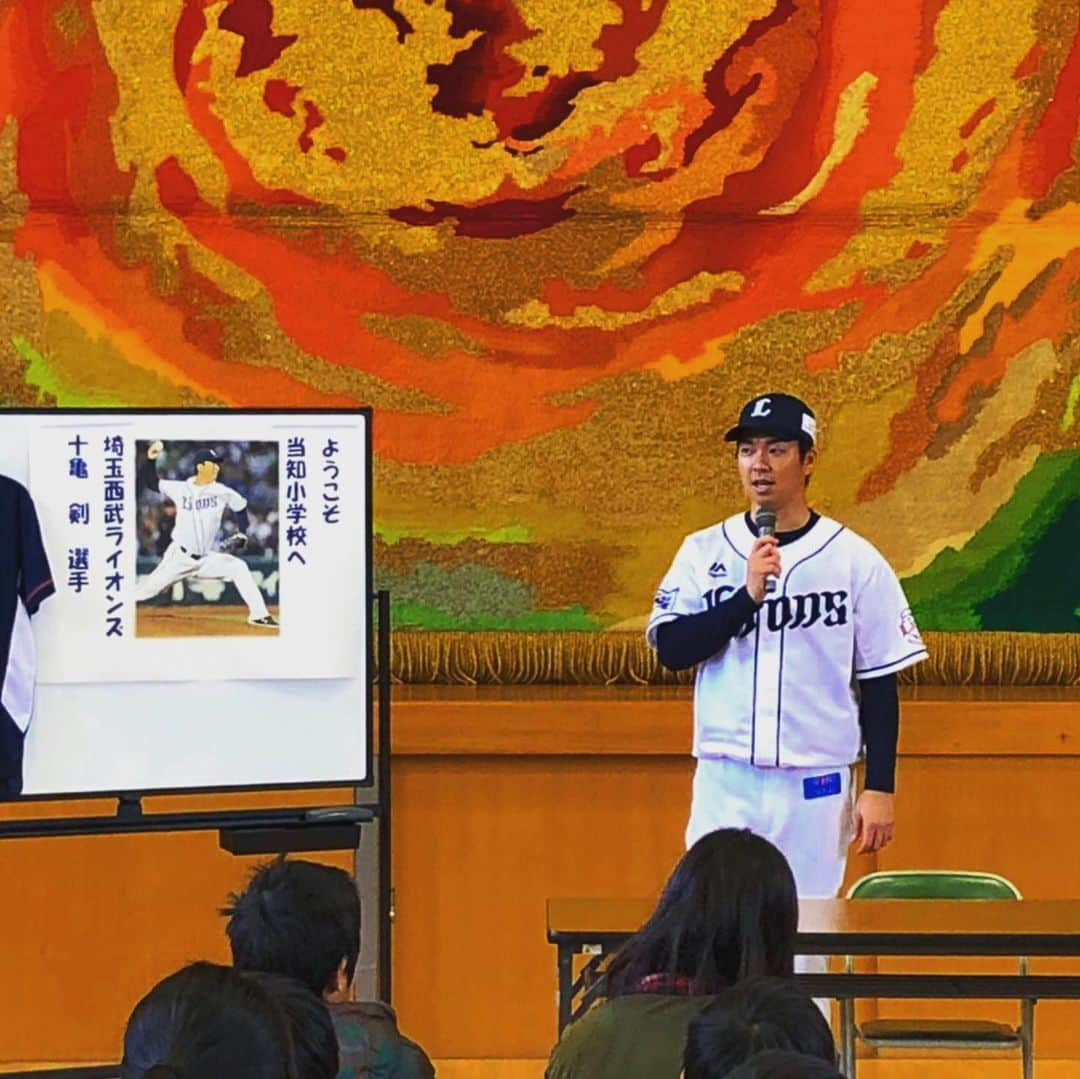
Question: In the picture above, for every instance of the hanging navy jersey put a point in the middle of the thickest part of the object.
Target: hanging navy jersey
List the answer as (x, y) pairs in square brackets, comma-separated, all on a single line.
[(25, 581)]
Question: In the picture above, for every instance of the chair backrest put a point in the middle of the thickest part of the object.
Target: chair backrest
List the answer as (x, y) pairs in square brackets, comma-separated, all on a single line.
[(933, 884)]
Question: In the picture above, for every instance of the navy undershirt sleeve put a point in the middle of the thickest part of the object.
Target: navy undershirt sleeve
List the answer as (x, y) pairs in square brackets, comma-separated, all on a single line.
[(693, 638), (879, 718), (242, 521)]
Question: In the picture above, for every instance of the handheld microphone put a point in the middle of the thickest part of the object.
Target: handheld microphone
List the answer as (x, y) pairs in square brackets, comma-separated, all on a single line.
[(766, 523)]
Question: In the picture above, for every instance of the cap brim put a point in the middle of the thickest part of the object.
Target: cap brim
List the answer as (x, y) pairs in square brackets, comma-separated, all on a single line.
[(788, 434)]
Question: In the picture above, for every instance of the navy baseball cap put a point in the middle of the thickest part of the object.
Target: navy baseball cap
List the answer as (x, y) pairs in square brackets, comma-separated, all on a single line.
[(207, 455), (776, 414)]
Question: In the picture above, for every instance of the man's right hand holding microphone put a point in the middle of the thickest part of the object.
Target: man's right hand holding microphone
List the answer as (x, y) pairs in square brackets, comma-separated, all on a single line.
[(764, 562)]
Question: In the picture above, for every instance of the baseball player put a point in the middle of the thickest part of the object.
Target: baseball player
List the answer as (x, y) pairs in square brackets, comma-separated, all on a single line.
[(797, 638), (200, 504)]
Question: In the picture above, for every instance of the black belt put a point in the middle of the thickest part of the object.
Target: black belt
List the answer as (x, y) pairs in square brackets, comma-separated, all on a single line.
[(190, 554)]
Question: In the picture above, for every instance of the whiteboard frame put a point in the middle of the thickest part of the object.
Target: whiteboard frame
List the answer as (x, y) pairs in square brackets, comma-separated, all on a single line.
[(369, 780)]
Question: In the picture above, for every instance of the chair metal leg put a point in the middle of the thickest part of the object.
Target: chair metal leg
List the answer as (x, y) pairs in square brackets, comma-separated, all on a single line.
[(847, 1037), (1027, 1038)]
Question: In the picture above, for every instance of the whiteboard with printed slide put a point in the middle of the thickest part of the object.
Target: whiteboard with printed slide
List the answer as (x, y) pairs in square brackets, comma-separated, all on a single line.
[(211, 623)]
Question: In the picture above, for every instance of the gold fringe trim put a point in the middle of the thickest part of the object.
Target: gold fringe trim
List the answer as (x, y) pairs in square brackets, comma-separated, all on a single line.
[(604, 659)]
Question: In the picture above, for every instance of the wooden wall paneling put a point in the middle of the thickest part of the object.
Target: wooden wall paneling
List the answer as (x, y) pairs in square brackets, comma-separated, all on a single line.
[(656, 721), (502, 799), (973, 728), (480, 843), (92, 923)]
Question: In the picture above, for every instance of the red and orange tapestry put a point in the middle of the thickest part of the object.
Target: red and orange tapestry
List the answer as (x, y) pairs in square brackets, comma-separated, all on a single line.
[(555, 244)]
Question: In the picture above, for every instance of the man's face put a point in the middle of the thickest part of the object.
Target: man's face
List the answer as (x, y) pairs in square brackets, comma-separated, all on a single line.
[(207, 471), (772, 473)]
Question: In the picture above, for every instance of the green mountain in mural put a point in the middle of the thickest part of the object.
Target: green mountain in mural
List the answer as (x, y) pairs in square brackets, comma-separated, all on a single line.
[(472, 597), (1018, 572)]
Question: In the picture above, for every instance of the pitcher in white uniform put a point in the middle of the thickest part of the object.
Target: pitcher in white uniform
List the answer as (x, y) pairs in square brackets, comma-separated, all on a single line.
[(200, 505), (797, 637)]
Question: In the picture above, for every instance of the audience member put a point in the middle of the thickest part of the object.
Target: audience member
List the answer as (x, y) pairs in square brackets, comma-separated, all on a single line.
[(302, 919), (784, 1064), (315, 1048), (728, 912), (758, 1013), (207, 1022)]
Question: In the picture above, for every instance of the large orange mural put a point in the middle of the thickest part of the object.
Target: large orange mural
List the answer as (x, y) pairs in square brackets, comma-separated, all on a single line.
[(555, 245)]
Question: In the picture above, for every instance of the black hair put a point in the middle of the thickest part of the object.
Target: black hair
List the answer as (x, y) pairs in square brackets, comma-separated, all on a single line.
[(207, 1022), (728, 911), (758, 1013), (296, 918), (804, 441), (784, 1064), (315, 1046)]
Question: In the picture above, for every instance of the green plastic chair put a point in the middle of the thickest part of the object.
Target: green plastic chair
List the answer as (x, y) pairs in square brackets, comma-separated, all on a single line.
[(944, 1033)]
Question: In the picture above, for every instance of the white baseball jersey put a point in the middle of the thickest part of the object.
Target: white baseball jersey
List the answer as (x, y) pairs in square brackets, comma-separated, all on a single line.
[(782, 692), (199, 509)]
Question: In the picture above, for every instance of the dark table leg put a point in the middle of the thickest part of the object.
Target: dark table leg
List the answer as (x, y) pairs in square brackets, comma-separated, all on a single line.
[(566, 956)]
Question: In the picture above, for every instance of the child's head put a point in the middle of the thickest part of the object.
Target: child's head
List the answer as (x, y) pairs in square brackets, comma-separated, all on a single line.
[(297, 918), (728, 911), (784, 1064), (210, 1022), (757, 1014)]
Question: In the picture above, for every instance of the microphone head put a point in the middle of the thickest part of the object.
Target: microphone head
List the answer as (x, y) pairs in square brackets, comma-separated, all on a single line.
[(766, 522)]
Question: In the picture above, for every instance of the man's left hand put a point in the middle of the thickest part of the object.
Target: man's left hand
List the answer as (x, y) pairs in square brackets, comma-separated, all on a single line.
[(873, 818)]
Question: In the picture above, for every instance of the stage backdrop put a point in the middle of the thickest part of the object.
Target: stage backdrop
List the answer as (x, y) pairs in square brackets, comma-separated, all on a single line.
[(556, 244)]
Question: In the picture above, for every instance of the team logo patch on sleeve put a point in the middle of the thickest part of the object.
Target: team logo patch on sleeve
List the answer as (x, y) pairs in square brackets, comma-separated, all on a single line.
[(908, 630), (665, 599)]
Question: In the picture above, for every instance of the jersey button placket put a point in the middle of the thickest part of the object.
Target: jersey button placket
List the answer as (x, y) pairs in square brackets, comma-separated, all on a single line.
[(766, 685)]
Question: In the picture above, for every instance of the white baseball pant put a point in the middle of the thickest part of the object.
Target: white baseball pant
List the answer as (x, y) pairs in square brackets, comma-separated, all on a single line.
[(176, 565), (812, 833)]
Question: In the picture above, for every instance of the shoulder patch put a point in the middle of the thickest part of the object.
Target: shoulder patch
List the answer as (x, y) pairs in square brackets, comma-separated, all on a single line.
[(665, 599), (908, 629)]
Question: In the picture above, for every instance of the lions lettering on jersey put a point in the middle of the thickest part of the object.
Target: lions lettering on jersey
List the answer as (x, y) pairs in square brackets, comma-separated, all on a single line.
[(782, 691), (200, 508), (206, 503), (790, 612)]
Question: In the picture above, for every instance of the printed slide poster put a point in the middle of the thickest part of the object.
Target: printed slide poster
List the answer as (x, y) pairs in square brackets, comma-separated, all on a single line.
[(188, 546)]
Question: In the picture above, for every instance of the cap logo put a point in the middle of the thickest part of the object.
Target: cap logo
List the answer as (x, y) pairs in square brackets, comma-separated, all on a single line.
[(809, 425), (762, 407)]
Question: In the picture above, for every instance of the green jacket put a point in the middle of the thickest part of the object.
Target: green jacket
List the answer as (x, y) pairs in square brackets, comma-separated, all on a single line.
[(371, 1046), (640, 1036)]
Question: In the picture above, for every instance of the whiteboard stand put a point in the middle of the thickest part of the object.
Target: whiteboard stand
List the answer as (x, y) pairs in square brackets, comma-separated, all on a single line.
[(386, 890), (273, 831)]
